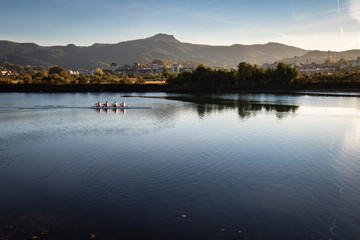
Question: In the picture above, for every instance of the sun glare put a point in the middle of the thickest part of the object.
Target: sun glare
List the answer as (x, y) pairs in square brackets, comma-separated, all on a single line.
[(329, 111)]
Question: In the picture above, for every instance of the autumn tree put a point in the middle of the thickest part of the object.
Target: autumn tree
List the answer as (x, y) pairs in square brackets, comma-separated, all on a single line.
[(98, 72), (58, 70)]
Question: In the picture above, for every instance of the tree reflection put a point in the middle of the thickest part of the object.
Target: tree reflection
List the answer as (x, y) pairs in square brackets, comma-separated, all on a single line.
[(246, 108)]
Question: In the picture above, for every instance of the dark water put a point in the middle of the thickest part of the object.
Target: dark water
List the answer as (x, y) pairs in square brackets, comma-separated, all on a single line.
[(191, 167)]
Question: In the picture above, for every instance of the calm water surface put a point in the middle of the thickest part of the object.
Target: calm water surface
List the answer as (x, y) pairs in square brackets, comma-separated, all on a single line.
[(192, 167)]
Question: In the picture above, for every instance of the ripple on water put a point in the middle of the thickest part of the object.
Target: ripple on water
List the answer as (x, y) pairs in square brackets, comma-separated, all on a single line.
[(134, 174)]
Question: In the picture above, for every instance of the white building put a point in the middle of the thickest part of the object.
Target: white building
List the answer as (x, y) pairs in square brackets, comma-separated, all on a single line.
[(175, 68), (75, 72), (136, 67), (154, 66), (113, 67), (309, 71), (6, 73)]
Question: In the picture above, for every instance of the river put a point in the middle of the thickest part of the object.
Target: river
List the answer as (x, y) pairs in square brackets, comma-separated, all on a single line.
[(232, 166)]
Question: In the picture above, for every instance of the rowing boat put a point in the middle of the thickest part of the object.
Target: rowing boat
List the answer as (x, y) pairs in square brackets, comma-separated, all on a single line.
[(127, 107)]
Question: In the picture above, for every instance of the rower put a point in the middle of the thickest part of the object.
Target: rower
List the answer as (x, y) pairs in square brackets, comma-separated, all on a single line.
[(115, 104), (106, 104), (123, 104), (98, 104)]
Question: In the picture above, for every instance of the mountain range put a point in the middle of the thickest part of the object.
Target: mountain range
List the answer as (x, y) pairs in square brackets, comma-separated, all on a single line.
[(160, 46)]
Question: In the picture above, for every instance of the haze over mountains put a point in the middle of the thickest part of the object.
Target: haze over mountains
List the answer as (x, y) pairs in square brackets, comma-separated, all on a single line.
[(145, 50)]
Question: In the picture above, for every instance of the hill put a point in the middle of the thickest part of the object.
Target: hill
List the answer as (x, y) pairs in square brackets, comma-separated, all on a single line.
[(322, 56), (144, 51)]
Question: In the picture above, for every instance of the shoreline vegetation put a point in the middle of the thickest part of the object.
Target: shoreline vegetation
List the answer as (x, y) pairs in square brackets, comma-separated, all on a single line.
[(246, 78)]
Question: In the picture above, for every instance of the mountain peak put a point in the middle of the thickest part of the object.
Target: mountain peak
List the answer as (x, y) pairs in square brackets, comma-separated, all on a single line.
[(163, 37)]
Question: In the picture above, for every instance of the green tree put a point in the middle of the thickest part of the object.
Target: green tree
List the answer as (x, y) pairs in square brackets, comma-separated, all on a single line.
[(203, 77), (25, 77), (83, 79), (125, 79), (58, 70), (166, 72), (284, 74), (140, 80), (39, 77), (245, 73), (96, 79)]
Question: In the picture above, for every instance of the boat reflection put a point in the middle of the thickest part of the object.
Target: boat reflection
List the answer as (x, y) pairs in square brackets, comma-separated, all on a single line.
[(116, 111), (123, 110)]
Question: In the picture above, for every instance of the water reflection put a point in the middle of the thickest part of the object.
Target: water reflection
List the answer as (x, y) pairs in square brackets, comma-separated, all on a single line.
[(246, 108), (107, 111), (72, 172)]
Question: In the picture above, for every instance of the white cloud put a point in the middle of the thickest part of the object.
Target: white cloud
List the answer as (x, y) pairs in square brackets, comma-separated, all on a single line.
[(354, 9)]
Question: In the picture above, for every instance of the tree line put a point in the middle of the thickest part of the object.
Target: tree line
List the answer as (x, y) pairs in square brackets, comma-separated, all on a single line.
[(59, 76), (246, 76)]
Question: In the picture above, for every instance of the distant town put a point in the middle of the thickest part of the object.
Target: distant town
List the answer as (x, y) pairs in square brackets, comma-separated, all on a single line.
[(329, 67), (165, 74), (161, 66), (136, 68)]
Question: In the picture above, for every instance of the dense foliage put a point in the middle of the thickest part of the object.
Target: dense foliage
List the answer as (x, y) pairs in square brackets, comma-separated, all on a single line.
[(58, 76), (246, 76)]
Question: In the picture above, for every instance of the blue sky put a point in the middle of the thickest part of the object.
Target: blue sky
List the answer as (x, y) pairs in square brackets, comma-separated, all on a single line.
[(320, 24)]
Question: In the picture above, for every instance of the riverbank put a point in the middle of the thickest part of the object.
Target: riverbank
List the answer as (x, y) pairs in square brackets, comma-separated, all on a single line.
[(63, 88), (350, 88)]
